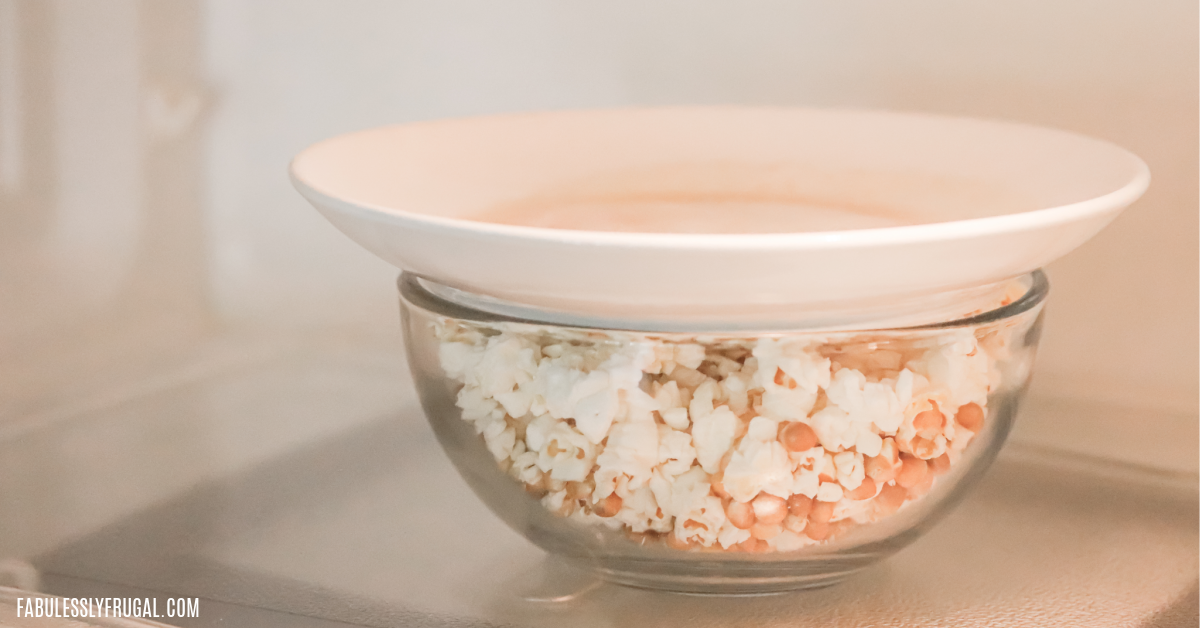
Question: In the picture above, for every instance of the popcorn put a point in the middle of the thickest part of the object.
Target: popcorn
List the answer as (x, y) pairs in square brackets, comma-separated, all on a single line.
[(834, 428), (500, 439), (729, 535), (675, 451), (806, 482), (689, 355), (458, 358), (762, 428), (701, 442), (787, 541), (631, 451), (566, 454), (758, 467), (676, 417), (829, 492), (850, 473)]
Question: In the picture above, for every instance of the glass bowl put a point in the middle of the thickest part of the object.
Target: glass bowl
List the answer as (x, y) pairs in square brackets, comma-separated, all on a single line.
[(719, 461)]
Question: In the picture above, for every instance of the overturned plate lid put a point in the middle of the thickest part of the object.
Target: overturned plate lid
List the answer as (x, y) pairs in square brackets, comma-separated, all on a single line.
[(717, 213)]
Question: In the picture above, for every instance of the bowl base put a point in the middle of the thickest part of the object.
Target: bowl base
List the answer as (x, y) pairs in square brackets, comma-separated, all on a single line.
[(720, 579)]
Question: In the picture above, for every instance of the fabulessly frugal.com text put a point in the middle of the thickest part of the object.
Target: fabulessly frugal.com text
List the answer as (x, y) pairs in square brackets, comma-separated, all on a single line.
[(95, 607)]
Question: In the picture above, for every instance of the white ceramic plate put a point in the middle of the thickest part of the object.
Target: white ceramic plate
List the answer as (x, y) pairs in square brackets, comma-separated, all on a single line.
[(887, 206)]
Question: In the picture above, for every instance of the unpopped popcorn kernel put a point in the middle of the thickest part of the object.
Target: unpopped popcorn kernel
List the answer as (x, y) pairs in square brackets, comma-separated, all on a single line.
[(970, 417), (912, 471), (889, 500), (740, 514), (817, 530), (797, 436), (769, 509), (865, 490), (609, 506), (765, 531)]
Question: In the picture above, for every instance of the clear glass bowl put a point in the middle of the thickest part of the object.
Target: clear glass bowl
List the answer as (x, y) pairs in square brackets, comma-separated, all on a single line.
[(719, 462)]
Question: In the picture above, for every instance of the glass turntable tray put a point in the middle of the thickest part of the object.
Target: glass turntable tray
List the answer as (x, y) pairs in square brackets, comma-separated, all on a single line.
[(300, 486)]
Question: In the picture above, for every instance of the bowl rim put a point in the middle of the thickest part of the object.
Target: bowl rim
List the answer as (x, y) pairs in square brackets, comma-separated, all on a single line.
[(416, 291)]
